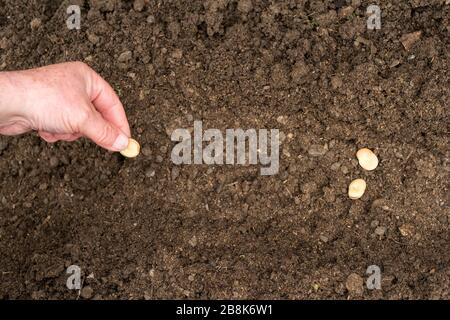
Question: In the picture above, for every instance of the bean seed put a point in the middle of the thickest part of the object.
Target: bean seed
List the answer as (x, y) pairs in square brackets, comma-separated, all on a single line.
[(132, 150), (356, 189), (367, 159)]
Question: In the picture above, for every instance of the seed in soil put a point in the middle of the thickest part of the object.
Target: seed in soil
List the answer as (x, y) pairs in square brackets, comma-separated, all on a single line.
[(367, 159), (356, 189), (132, 150)]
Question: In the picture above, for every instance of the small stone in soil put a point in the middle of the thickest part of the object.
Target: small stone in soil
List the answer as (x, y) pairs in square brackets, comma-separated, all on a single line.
[(150, 173), (43, 186), (87, 292), (93, 38), (177, 54), (408, 40), (335, 166), (380, 231), (125, 56), (317, 150), (354, 284), (139, 5), (35, 23), (175, 173), (245, 6), (406, 230), (54, 162), (146, 151)]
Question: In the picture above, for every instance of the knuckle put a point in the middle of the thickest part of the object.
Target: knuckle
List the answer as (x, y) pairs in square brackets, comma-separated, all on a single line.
[(84, 116), (80, 65)]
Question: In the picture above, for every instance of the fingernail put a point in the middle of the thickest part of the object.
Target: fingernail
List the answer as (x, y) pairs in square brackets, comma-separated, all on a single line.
[(121, 142)]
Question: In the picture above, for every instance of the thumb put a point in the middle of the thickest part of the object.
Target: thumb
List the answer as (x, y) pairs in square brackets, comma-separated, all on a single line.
[(104, 133)]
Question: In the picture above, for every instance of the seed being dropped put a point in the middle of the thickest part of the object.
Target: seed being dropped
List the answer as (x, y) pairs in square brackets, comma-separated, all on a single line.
[(356, 189), (367, 159), (132, 150)]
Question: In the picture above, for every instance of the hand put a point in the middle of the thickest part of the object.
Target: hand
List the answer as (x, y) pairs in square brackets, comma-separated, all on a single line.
[(63, 102)]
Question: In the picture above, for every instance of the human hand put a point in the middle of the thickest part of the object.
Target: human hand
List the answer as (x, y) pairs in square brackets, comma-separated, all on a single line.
[(63, 102)]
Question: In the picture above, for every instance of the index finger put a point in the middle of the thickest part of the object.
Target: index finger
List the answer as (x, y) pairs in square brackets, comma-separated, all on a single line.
[(108, 104)]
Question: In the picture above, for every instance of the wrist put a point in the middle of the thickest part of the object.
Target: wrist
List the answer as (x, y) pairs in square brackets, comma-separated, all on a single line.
[(12, 96)]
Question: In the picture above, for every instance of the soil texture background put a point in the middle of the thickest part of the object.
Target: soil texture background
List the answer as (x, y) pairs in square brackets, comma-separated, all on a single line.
[(145, 228)]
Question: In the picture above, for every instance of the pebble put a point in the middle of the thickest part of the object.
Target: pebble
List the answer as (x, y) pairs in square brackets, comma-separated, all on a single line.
[(87, 292), (43, 186), (355, 284), (150, 173), (336, 82), (175, 173), (138, 5), (54, 162), (125, 56), (93, 38), (346, 11), (282, 119), (177, 54), (335, 166), (38, 295), (189, 117), (329, 195), (147, 151), (406, 230), (309, 187), (4, 43), (35, 23), (163, 149), (151, 69), (317, 150), (245, 6), (380, 231), (408, 40), (193, 241)]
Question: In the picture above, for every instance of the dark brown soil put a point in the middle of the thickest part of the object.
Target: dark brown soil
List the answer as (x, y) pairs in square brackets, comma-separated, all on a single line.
[(146, 228)]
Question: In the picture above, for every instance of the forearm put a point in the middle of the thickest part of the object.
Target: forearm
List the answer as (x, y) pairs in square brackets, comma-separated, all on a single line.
[(11, 95), (12, 100)]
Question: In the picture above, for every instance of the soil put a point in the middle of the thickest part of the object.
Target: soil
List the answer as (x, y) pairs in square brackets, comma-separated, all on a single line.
[(145, 228)]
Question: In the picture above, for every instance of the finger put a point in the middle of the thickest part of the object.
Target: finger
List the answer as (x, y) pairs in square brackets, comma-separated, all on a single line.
[(54, 137), (67, 136), (104, 133), (108, 103), (73, 137), (47, 136)]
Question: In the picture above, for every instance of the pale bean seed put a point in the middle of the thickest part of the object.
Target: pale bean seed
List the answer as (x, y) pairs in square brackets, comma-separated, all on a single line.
[(132, 150), (367, 159), (356, 189)]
